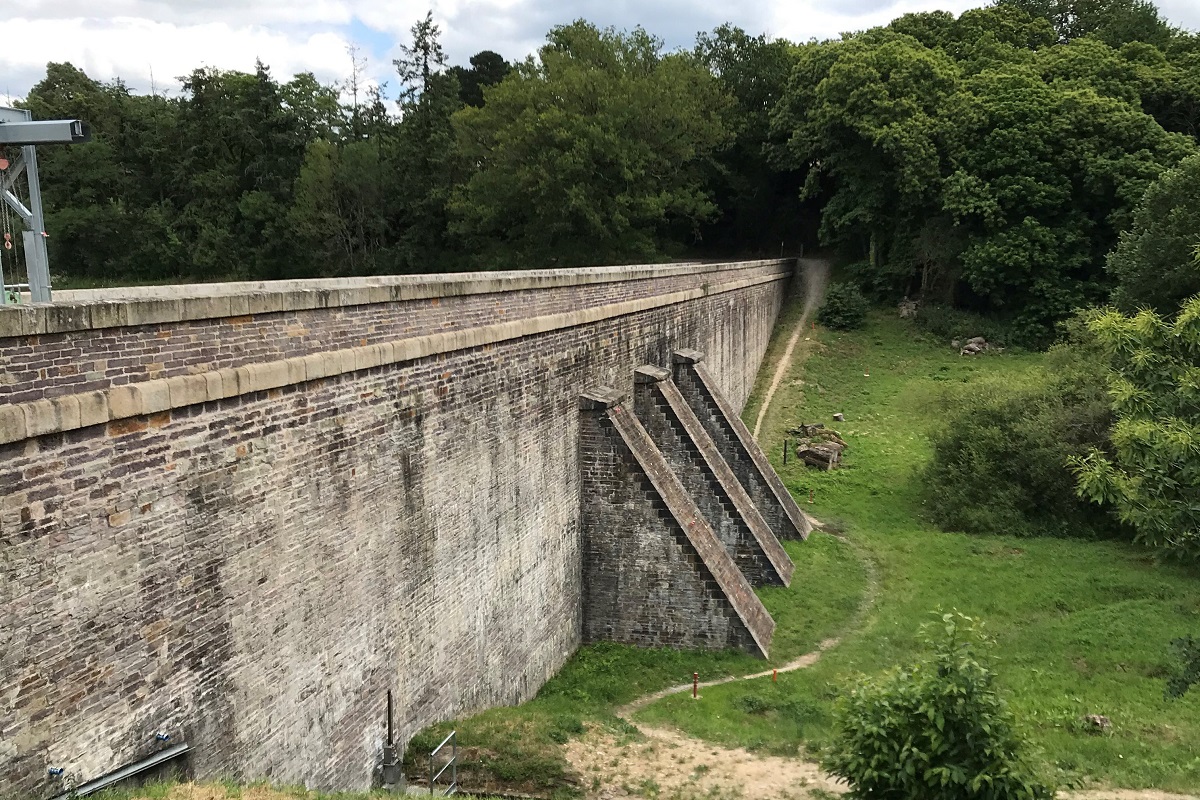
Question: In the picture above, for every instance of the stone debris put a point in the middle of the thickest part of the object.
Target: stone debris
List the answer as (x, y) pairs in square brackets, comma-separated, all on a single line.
[(818, 446), (908, 308), (974, 346), (1097, 723), (839, 417)]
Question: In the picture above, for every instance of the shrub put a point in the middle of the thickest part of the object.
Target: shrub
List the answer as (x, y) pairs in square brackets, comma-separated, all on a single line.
[(1153, 263), (947, 323), (844, 307), (935, 730), (1001, 459)]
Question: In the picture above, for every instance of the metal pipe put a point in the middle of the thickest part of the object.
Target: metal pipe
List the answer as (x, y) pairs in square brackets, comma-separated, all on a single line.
[(127, 771)]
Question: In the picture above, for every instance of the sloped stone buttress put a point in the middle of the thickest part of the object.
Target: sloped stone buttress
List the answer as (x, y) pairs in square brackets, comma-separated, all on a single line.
[(702, 470), (738, 447), (654, 572)]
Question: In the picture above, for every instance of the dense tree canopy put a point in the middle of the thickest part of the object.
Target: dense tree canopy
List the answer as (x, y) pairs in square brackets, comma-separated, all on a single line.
[(592, 153), (997, 170), (991, 160)]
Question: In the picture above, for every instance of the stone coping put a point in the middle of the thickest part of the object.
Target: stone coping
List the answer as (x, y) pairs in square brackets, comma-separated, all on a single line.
[(20, 421), (90, 309)]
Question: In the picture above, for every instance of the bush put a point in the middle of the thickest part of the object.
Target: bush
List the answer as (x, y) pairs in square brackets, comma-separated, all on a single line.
[(1153, 263), (947, 323), (844, 307), (1001, 458), (935, 730)]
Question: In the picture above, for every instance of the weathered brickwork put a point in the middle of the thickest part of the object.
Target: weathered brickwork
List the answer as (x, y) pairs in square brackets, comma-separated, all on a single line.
[(708, 479), (49, 365), (252, 574), (654, 572), (737, 446)]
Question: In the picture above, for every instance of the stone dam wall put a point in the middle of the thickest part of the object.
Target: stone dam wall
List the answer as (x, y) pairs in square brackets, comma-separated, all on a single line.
[(241, 513)]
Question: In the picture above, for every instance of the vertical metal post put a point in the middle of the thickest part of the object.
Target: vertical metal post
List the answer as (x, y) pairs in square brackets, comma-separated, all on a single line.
[(37, 259)]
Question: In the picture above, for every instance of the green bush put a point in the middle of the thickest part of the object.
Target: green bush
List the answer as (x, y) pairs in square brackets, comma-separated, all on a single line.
[(844, 307), (947, 323), (935, 730), (1000, 460)]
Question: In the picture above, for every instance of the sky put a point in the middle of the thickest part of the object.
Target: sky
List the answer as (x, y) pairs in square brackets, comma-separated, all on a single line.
[(150, 43)]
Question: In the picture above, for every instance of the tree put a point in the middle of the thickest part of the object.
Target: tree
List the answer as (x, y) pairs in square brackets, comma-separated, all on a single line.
[(420, 157), (1153, 263), (594, 153), (1153, 476), (999, 181), (1114, 22), (759, 205), (860, 119), (419, 61), (487, 68), (933, 730)]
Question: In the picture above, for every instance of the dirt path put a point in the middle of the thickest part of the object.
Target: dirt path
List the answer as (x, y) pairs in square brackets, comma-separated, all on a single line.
[(671, 764), (815, 277)]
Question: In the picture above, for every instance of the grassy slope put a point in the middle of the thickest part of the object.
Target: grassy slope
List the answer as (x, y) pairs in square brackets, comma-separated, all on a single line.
[(1083, 626)]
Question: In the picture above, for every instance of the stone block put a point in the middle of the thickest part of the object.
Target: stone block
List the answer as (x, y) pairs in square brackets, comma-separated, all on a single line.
[(12, 424), (152, 396), (187, 390), (41, 418), (93, 409)]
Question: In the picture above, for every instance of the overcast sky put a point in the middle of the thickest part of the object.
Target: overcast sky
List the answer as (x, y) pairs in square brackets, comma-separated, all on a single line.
[(159, 40)]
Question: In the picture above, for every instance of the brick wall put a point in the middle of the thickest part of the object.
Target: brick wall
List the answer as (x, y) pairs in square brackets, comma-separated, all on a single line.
[(708, 479), (655, 573), (248, 552), (719, 418)]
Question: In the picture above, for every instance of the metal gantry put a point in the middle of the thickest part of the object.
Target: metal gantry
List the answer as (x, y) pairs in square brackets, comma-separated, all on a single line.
[(18, 128)]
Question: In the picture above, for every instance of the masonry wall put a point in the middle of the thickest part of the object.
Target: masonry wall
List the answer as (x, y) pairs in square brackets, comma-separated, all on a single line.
[(654, 573), (242, 518), (720, 510)]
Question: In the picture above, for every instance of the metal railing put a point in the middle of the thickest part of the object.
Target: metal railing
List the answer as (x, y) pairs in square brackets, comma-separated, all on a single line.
[(451, 765)]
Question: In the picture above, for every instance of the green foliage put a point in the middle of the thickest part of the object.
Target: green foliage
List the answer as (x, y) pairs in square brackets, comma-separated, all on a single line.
[(844, 308), (1001, 458), (972, 161), (1153, 263), (594, 153), (947, 323), (1152, 477), (933, 730), (1186, 650)]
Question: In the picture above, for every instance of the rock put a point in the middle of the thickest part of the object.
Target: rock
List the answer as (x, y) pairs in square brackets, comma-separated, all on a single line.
[(818, 446), (970, 349), (955, 343), (908, 308), (979, 340), (839, 417), (1097, 723)]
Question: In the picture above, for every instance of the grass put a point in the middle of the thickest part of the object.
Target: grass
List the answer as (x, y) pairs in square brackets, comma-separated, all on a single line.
[(1083, 626), (228, 790), (520, 748)]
